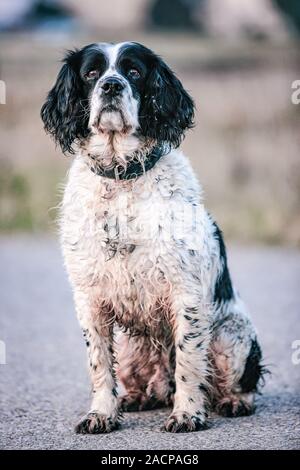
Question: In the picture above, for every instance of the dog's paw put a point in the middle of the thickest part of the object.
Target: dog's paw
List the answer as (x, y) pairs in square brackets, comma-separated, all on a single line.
[(183, 422), (234, 408), (96, 423)]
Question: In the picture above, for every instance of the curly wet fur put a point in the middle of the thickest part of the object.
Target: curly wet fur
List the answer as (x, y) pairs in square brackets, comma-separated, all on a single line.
[(147, 263)]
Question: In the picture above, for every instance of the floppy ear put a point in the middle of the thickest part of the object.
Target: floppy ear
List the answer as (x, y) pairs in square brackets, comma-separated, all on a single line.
[(168, 110), (63, 113)]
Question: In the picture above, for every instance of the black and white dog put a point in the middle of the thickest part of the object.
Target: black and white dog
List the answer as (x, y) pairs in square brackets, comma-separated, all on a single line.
[(147, 263)]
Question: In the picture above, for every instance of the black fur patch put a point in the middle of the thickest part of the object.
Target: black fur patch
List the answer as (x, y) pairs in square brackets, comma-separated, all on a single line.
[(65, 112), (253, 369), (223, 288)]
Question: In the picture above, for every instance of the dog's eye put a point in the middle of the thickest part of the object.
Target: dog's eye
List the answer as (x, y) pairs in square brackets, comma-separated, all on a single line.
[(92, 74), (134, 73)]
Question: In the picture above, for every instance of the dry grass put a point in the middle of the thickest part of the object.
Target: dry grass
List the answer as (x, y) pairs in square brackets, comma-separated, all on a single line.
[(245, 147)]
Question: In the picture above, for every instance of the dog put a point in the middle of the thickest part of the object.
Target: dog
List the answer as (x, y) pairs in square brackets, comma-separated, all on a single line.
[(146, 261)]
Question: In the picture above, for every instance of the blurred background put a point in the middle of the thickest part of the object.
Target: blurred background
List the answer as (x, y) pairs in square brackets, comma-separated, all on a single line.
[(237, 58)]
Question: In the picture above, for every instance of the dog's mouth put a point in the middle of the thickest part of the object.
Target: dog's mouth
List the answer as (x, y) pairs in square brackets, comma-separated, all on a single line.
[(111, 119), (110, 108)]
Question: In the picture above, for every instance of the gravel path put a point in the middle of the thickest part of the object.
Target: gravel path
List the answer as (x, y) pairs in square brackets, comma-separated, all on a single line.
[(44, 386)]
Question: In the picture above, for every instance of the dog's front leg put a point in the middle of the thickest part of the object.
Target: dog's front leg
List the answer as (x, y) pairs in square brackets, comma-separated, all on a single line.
[(97, 324), (191, 326)]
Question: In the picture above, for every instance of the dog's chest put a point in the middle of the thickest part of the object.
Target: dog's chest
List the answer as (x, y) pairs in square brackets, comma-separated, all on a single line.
[(118, 242)]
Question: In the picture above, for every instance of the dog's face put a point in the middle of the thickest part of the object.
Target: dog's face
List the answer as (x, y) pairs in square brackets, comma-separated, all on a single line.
[(115, 78), (123, 88)]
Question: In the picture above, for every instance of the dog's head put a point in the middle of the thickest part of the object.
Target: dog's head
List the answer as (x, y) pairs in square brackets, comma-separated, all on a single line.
[(125, 89)]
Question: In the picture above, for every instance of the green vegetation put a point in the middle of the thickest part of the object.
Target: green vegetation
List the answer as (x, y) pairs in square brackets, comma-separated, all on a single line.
[(28, 199)]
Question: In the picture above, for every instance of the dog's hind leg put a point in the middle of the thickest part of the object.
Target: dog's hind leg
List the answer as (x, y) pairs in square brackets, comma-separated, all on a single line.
[(145, 370), (236, 357)]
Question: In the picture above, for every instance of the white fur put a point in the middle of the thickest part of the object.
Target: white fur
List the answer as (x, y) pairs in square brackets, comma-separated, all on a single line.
[(145, 214), (101, 272)]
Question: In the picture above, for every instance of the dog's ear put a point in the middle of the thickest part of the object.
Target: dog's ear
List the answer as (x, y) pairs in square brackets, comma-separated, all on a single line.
[(63, 112), (167, 110)]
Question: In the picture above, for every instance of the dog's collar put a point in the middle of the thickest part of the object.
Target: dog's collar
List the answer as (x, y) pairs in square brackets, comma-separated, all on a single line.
[(134, 168)]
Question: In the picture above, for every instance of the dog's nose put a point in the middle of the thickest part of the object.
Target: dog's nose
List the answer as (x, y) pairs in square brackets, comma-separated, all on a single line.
[(112, 86)]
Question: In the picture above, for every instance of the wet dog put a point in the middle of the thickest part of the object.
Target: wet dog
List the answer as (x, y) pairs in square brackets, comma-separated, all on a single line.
[(147, 263)]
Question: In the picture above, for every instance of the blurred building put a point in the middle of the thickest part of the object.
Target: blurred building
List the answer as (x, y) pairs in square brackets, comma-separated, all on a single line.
[(216, 18), (250, 18), (32, 15)]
